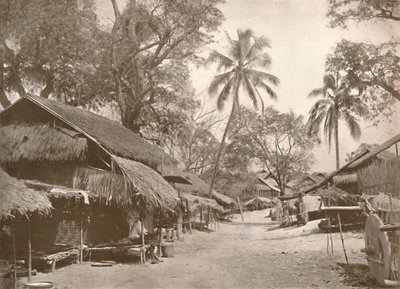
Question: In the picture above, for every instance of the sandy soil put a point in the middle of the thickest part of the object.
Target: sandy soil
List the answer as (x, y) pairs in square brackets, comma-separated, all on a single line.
[(236, 256)]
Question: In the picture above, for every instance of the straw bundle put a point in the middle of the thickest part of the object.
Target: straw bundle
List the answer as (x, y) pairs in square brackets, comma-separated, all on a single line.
[(16, 199), (380, 176), (40, 142)]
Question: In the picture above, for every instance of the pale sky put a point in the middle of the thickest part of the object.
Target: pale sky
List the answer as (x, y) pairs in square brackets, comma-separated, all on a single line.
[(300, 41)]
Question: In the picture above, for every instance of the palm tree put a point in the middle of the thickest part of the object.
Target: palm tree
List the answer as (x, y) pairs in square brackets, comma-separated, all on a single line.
[(338, 103), (243, 68)]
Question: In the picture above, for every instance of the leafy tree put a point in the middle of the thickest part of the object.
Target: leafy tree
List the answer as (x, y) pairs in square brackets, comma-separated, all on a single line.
[(341, 11), (277, 141), (149, 43), (49, 45), (373, 71), (242, 64), (338, 102)]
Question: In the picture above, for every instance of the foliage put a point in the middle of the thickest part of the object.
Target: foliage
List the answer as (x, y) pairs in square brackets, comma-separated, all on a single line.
[(193, 143), (275, 140), (50, 45), (243, 66), (342, 11), (149, 42), (373, 72), (339, 102)]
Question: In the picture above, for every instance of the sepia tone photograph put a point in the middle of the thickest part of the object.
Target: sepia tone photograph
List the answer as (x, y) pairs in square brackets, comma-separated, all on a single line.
[(199, 144)]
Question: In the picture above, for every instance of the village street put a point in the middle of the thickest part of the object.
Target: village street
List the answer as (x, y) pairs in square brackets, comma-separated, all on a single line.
[(235, 256)]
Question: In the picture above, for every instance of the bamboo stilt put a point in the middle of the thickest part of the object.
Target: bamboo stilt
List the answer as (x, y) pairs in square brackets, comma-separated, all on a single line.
[(14, 258), (341, 237), (143, 251), (29, 252), (159, 235), (81, 241), (240, 208)]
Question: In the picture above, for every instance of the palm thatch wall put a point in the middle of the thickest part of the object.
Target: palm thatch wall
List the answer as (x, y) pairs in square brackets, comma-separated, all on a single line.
[(111, 135), (137, 185), (40, 142), (16, 199), (380, 177)]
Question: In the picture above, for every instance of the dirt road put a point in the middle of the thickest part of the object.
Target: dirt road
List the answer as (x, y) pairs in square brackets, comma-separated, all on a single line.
[(235, 256)]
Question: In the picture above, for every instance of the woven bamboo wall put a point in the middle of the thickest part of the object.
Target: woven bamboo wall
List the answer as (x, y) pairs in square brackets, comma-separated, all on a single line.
[(380, 176)]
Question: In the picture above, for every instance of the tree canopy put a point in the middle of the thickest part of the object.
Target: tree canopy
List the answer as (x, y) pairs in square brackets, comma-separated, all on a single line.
[(341, 12), (372, 72), (275, 140)]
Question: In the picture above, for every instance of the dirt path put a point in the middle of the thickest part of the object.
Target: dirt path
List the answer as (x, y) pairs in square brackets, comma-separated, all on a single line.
[(235, 256)]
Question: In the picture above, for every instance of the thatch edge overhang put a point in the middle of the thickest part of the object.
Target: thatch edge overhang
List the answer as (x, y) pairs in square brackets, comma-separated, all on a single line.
[(155, 191), (16, 199)]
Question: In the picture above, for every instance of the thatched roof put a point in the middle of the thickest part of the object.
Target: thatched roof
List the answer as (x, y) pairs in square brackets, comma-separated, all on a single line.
[(201, 188), (147, 183), (373, 153), (203, 202), (39, 142), (344, 179), (16, 199), (270, 183), (337, 197), (257, 200), (223, 199), (109, 134)]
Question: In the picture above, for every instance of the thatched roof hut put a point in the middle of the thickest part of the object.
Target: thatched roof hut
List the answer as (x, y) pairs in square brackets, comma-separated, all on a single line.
[(75, 148), (200, 188), (197, 201), (16, 199), (108, 134)]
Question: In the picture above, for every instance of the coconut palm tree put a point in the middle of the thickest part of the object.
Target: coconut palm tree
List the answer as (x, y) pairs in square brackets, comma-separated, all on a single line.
[(243, 67), (338, 103)]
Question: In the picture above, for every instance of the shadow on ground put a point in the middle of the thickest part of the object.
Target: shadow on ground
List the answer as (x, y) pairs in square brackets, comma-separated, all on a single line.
[(357, 275)]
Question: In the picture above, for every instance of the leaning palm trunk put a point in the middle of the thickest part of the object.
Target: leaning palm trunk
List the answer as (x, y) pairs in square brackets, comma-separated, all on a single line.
[(221, 147), (337, 142)]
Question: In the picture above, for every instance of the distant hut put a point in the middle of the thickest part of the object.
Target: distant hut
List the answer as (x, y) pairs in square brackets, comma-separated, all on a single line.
[(198, 187), (60, 147), (258, 203)]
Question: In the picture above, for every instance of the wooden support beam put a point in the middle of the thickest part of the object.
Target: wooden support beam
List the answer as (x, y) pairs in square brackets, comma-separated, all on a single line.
[(29, 252), (14, 256), (341, 208)]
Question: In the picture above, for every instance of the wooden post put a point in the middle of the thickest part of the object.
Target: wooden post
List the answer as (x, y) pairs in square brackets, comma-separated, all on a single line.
[(159, 234), (201, 217), (240, 208), (81, 240), (143, 251), (397, 150), (14, 257), (29, 252), (341, 237)]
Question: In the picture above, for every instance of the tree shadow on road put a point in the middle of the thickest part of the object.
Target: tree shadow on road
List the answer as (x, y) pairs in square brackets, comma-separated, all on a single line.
[(357, 275)]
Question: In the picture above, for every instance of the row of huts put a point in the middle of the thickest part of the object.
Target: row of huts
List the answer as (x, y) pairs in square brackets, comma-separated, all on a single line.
[(81, 182)]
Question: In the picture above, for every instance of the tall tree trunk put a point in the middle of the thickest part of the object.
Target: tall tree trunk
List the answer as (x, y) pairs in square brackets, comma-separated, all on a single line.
[(337, 141), (221, 147)]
